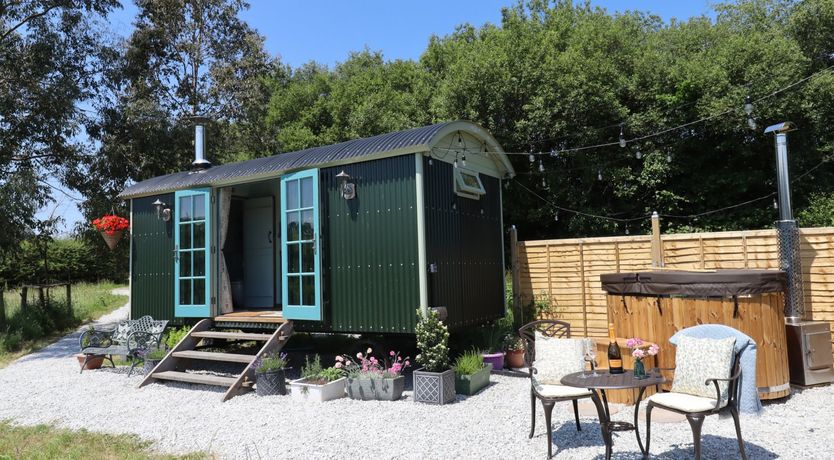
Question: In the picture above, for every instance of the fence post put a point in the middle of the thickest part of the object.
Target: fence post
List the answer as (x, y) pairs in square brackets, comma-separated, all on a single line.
[(2, 310), (41, 297), (69, 298), (657, 244), (24, 297), (518, 315)]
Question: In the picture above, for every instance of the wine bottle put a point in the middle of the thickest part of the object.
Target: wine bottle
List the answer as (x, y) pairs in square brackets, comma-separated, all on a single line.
[(615, 358)]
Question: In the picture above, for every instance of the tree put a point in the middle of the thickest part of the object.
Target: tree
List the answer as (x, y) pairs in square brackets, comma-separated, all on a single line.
[(185, 59), (48, 68)]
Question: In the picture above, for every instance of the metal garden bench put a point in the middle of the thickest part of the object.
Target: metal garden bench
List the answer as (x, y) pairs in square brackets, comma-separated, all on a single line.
[(130, 338)]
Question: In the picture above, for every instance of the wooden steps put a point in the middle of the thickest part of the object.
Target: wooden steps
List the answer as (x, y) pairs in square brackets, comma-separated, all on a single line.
[(203, 379), (179, 360), (214, 356), (232, 335)]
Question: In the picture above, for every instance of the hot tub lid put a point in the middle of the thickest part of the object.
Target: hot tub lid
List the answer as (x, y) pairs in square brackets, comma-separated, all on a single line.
[(719, 283)]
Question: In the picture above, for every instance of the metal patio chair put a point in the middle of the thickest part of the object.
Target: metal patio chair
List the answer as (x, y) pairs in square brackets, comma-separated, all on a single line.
[(549, 394), (696, 407)]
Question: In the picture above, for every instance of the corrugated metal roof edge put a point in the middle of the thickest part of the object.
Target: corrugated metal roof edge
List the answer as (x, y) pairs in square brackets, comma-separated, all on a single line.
[(332, 155)]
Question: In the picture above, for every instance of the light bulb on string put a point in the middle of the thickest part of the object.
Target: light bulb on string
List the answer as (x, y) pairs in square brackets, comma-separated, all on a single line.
[(460, 140), (463, 160), (626, 230), (775, 204), (506, 185), (544, 183), (532, 158), (431, 162), (748, 109), (456, 161), (556, 216), (599, 174), (541, 166), (668, 158), (622, 135), (638, 154)]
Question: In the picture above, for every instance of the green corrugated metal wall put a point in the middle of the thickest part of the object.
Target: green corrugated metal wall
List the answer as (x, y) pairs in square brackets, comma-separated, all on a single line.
[(370, 266), (152, 287), (466, 245)]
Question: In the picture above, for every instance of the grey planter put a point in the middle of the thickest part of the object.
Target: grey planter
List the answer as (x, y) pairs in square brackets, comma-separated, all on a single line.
[(434, 387), (376, 389), (270, 383), (149, 364)]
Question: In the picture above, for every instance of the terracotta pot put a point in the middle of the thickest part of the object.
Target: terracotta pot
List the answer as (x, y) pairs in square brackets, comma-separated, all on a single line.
[(94, 362), (112, 239), (515, 359)]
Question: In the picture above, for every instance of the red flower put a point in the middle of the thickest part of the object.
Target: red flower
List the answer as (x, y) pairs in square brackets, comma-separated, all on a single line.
[(110, 224)]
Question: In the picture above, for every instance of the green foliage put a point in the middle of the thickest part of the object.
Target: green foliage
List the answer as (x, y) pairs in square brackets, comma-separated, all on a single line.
[(175, 335), (432, 340), (819, 212), (63, 259), (156, 354), (272, 362), (469, 363), (513, 343), (312, 371)]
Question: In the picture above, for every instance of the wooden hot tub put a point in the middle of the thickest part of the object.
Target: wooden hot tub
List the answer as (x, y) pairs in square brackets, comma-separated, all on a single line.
[(655, 305)]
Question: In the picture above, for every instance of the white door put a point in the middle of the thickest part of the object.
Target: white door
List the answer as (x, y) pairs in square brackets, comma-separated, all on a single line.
[(258, 253)]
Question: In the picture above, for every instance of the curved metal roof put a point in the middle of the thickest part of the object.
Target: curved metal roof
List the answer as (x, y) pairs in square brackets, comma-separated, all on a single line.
[(396, 143)]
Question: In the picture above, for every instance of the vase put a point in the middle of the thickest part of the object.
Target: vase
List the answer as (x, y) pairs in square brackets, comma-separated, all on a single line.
[(639, 369)]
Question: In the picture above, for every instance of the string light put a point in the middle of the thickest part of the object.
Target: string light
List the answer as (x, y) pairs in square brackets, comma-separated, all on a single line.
[(456, 161), (622, 135), (626, 230), (668, 157), (541, 166), (638, 154), (775, 204), (748, 109), (599, 174), (532, 158), (544, 183), (460, 140), (556, 216), (463, 160), (431, 162)]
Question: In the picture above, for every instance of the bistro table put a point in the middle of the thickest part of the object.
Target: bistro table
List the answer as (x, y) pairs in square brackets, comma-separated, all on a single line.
[(604, 380)]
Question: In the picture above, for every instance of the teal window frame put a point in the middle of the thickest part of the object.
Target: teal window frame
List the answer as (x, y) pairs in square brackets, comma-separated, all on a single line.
[(300, 310)]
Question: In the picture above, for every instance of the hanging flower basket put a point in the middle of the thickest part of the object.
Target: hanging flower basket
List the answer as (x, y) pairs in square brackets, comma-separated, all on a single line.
[(112, 228)]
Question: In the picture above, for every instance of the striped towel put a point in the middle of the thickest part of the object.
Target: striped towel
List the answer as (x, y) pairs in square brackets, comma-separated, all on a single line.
[(748, 398)]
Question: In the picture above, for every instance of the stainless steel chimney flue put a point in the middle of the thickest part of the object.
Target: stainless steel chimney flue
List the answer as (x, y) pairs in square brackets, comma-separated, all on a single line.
[(790, 260), (200, 162)]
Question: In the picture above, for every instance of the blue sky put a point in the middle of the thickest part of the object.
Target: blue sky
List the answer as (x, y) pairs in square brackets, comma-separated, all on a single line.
[(327, 31)]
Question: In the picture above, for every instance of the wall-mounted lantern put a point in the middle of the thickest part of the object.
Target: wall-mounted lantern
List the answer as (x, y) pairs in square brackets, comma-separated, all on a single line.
[(348, 188), (162, 211)]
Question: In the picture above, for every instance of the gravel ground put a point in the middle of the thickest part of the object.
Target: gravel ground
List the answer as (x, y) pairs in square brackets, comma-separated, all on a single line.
[(45, 387)]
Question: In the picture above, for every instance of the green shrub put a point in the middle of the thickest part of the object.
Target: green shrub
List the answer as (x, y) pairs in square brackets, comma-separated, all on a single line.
[(12, 342), (330, 374), (433, 342), (175, 335), (469, 363), (311, 369), (271, 362)]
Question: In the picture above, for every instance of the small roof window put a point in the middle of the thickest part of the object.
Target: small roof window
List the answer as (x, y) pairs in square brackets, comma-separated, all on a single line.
[(468, 184)]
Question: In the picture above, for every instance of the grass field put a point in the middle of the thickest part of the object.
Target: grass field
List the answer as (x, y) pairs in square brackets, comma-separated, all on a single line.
[(46, 442), (89, 301)]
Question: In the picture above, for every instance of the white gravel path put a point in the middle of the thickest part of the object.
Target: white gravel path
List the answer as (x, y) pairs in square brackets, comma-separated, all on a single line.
[(45, 387)]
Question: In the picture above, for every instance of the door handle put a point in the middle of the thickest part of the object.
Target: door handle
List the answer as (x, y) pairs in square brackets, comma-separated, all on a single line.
[(269, 236), (177, 252)]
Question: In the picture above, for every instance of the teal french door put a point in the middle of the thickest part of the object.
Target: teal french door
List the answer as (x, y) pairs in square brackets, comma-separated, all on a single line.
[(192, 219), (300, 261)]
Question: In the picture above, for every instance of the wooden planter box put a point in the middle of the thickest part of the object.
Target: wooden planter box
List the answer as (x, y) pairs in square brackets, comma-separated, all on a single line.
[(376, 389), (299, 389), (434, 387), (470, 384)]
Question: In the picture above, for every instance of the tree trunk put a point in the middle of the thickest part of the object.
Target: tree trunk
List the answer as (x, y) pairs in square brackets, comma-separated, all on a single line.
[(24, 294), (69, 298)]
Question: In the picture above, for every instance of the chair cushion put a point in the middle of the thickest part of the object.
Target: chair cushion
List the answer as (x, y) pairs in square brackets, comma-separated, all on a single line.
[(556, 358), (558, 391), (697, 360), (684, 402)]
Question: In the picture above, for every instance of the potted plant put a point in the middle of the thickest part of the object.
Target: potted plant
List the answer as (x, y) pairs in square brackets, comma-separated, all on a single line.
[(368, 378), (111, 227), (94, 362), (318, 383), (515, 352), (435, 382), (494, 335), (471, 373), (152, 358), (270, 376)]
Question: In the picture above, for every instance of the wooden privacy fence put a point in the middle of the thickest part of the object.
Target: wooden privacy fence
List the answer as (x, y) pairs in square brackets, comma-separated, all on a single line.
[(562, 276)]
